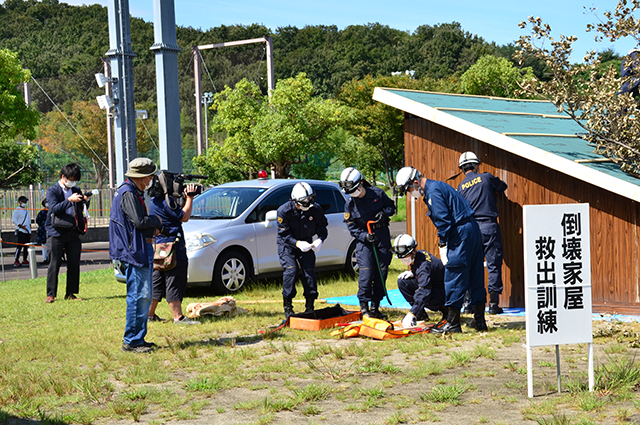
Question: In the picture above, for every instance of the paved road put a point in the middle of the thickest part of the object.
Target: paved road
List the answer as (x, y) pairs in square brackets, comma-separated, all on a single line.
[(95, 256)]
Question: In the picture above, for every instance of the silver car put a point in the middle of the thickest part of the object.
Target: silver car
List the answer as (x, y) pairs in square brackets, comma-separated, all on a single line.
[(231, 236)]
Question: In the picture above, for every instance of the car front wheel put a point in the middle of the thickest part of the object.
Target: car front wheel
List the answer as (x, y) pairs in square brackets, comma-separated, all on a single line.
[(231, 273)]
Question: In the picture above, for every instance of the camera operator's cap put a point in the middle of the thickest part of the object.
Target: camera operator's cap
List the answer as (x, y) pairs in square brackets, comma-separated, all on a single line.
[(141, 167)]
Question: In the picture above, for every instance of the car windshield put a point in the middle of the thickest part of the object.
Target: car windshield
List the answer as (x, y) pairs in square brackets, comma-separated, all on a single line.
[(225, 202)]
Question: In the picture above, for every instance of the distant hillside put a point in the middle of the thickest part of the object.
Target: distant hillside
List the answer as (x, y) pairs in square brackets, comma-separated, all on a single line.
[(63, 46)]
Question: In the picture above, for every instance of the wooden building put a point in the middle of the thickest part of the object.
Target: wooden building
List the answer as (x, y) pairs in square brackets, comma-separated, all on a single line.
[(539, 154)]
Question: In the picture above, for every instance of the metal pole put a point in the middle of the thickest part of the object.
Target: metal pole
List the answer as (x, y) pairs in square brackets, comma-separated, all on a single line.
[(270, 75), (33, 265), (558, 368), (206, 122), (108, 92), (197, 77), (27, 100)]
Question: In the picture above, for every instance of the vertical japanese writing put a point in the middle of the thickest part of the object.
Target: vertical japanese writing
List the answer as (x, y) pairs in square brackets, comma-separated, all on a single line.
[(546, 281), (572, 261)]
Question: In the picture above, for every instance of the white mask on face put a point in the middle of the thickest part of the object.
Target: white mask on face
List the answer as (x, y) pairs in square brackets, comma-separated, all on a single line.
[(304, 208), (69, 184), (415, 193), (358, 192), (148, 186), (407, 260), (23, 205)]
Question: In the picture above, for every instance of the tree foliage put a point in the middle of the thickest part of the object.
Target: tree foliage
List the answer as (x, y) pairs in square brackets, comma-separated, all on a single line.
[(586, 92), (16, 118), (378, 142), (292, 127), (493, 76)]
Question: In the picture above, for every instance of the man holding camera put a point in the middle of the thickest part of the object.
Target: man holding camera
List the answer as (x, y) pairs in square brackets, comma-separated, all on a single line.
[(131, 232), (172, 283), (65, 223)]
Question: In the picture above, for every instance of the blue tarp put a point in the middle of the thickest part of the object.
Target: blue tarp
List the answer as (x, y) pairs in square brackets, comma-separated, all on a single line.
[(400, 303)]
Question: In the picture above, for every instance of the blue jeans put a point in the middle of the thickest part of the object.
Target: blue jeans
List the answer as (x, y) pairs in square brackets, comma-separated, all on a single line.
[(139, 290)]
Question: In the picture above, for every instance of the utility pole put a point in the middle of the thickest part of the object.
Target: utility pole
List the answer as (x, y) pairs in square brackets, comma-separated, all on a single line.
[(124, 111), (166, 49), (197, 77), (108, 92)]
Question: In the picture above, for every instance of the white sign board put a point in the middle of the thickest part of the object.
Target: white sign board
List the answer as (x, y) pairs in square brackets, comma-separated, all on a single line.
[(557, 253)]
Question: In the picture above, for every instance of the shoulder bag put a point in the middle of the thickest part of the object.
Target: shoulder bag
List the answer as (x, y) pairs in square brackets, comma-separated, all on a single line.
[(164, 256)]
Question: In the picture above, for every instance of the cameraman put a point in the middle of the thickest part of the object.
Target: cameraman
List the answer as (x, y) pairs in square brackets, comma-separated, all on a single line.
[(65, 223), (171, 283)]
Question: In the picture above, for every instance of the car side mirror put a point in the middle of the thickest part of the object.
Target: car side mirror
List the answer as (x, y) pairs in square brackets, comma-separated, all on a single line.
[(270, 217)]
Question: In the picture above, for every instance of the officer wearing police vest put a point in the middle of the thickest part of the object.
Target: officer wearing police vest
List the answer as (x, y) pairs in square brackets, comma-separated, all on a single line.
[(423, 284), (460, 245), (368, 204), (299, 220), (480, 190)]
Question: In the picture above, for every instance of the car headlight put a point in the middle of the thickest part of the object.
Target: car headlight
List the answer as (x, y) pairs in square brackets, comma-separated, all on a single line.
[(199, 241)]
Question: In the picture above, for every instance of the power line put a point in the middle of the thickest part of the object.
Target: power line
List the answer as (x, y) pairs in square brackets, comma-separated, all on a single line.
[(69, 122)]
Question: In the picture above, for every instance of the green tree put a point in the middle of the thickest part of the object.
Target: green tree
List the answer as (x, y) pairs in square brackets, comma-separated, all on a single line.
[(16, 118), (378, 128), (493, 76), (586, 92), (18, 161), (292, 127)]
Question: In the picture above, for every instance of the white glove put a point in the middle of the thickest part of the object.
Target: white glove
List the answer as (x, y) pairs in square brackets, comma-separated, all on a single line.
[(315, 245), (406, 275), (409, 320), (303, 246), (443, 255)]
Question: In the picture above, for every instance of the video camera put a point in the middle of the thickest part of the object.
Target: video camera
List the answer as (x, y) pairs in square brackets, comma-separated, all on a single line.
[(173, 183)]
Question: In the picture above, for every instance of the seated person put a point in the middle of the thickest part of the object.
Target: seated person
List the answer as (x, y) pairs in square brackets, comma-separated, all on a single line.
[(423, 284)]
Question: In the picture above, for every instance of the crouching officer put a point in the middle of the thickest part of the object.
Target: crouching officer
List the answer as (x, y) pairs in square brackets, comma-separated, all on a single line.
[(480, 190), (460, 244), (298, 221), (368, 204), (423, 284)]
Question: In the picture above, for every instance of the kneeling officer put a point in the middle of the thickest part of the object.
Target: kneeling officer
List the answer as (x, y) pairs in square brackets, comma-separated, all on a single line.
[(298, 221), (423, 284)]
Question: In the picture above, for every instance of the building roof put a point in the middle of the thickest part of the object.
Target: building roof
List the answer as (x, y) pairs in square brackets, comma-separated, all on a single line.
[(531, 129)]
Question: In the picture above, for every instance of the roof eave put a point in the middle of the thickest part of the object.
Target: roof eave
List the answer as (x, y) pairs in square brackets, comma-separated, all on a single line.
[(509, 144)]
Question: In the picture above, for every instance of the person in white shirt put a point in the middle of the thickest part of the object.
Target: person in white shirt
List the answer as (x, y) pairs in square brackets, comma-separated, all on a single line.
[(22, 220)]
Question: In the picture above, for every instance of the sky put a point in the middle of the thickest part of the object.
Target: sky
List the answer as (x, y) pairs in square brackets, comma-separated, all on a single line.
[(495, 21)]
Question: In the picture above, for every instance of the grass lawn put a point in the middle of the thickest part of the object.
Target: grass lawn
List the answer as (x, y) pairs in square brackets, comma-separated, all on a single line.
[(62, 363)]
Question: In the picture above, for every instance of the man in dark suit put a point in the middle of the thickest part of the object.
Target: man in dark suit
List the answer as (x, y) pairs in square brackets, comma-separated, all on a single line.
[(66, 204)]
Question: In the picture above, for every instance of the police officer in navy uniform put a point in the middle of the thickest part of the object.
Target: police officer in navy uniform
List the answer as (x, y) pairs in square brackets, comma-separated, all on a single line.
[(423, 284), (299, 220), (460, 245), (368, 204), (480, 189)]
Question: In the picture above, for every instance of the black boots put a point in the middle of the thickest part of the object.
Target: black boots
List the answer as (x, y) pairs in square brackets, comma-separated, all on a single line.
[(494, 303), (308, 307), (288, 307), (364, 308), (478, 323), (375, 311), (422, 316), (453, 323)]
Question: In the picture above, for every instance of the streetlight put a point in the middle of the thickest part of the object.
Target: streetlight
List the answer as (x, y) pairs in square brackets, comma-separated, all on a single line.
[(207, 98)]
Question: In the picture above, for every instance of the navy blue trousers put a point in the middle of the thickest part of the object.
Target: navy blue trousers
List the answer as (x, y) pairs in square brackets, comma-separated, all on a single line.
[(292, 261), (370, 284), (493, 255), (464, 271)]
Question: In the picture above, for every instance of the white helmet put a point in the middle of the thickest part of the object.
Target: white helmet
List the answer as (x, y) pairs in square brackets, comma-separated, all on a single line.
[(405, 178), (468, 158), (303, 195), (350, 179), (404, 245)]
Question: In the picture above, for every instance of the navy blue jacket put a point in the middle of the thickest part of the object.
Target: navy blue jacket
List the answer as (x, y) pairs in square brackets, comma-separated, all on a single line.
[(127, 242), (358, 211), (480, 190), (429, 272), (296, 225), (60, 206), (447, 207), (171, 222)]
